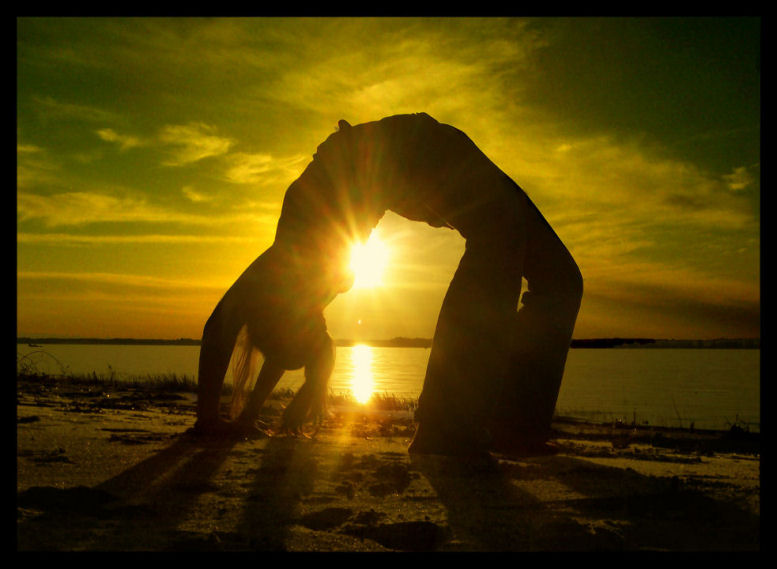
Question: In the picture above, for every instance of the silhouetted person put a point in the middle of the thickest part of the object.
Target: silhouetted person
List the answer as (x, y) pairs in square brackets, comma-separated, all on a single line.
[(494, 373)]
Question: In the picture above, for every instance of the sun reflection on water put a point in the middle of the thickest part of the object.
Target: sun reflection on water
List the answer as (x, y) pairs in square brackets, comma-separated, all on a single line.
[(362, 381)]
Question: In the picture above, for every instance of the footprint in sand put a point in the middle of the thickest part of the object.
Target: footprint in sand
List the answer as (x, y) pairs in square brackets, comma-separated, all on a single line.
[(326, 519), (130, 436), (79, 499), (46, 456), (381, 477)]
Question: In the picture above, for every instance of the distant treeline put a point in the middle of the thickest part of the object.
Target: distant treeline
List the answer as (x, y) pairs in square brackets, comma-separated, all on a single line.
[(123, 341), (392, 343), (721, 343), (717, 344)]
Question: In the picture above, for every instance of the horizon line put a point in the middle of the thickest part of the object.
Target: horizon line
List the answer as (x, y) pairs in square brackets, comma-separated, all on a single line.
[(408, 341)]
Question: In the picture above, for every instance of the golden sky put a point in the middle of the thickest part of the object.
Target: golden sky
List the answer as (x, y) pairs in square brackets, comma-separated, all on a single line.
[(153, 156)]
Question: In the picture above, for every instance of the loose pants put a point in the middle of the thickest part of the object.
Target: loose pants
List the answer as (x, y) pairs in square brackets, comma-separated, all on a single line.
[(494, 372)]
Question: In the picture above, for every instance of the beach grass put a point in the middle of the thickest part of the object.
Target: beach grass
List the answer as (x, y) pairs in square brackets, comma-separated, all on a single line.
[(168, 383), (46, 369)]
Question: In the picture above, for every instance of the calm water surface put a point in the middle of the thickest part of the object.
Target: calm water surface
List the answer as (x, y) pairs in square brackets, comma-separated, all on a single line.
[(670, 387)]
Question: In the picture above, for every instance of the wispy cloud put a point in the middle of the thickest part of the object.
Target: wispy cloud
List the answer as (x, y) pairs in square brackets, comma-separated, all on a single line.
[(124, 141), (123, 279), (661, 299), (370, 69), (603, 182), (648, 228), (633, 279), (50, 108), (193, 142), (28, 149), (263, 169), (76, 208), (75, 239), (80, 208), (34, 166), (195, 196), (741, 178)]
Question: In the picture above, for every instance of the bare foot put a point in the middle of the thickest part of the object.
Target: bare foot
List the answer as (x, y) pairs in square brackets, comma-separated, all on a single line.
[(527, 449), (214, 427), (431, 440), (251, 429)]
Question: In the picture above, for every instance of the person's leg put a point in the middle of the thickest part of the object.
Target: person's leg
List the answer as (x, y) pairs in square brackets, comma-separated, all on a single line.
[(542, 332), (453, 393), (471, 346)]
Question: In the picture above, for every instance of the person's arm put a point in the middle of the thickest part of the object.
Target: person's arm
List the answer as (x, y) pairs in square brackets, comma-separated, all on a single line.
[(310, 400), (269, 376)]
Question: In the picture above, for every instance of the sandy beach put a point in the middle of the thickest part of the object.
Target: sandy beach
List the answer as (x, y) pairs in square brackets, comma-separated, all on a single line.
[(107, 468)]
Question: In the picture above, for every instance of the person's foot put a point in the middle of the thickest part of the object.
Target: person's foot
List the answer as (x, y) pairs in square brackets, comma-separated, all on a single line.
[(520, 438), (525, 448), (431, 440), (251, 429), (217, 427)]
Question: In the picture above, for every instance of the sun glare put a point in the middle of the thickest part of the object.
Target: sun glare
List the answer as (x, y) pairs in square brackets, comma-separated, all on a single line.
[(369, 261), (362, 381)]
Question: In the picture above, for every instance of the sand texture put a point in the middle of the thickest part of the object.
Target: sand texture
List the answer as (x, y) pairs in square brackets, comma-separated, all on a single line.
[(108, 469)]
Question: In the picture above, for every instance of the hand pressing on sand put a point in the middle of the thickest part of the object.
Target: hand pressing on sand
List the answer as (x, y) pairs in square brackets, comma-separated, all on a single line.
[(251, 430)]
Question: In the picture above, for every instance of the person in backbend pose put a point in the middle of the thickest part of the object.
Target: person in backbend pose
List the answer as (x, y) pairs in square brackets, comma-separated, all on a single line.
[(494, 371)]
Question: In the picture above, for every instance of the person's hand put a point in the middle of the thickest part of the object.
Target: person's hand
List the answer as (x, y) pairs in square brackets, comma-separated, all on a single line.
[(251, 429)]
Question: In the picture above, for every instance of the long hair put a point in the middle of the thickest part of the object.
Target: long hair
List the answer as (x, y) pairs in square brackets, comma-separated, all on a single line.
[(244, 363)]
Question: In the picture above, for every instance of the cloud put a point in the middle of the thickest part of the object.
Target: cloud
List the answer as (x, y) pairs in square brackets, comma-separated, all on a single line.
[(194, 195), (604, 181), (631, 280), (80, 208), (123, 279), (363, 69), (630, 213), (264, 169), (34, 166), (653, 299), (76, 208), (649, 231), (77, 239), (193, 142), (27, 149), (124, 141), (739, 179), (52, 108)]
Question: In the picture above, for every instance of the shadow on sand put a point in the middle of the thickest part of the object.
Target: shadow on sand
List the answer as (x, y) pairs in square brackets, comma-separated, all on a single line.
[(141, 508), (514, 506), (555, 503)]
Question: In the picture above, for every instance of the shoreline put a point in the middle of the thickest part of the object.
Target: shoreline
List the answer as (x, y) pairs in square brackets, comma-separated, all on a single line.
[(175, 382), (113, 467), (400, 342)]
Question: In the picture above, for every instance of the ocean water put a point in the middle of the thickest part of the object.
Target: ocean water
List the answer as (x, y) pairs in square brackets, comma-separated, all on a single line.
[(711, 389)]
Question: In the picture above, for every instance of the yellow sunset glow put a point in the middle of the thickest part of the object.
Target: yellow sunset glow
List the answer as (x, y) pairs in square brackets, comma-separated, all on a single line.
[(362, 381), (138, 203), (369, 261)]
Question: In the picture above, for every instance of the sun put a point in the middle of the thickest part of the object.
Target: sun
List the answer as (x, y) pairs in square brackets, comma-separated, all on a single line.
[(369, 261)]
